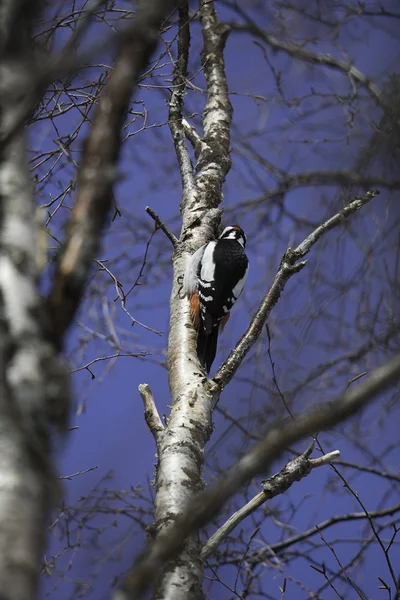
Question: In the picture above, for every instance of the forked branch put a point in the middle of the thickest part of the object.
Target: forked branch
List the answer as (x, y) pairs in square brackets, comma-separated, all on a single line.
[(295, 470)]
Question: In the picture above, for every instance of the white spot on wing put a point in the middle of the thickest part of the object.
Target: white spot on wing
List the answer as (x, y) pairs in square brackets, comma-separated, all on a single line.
[(238, 289), (207, 263), (205, 298)]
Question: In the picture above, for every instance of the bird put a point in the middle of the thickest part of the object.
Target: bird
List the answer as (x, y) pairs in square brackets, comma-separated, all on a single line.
[(213, 281)]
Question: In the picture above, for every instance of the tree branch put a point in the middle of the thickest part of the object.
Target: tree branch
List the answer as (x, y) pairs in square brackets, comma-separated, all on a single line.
[(214, 161), (193, 137), (160, 225), (297, 51), (321, 177), (355, 205), (295, 470), (177, 98), (358, 516), (371, 470), (151, 415), (288, 267)]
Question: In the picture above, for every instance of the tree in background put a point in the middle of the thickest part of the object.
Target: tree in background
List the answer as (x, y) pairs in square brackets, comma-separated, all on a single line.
[(301, 100)]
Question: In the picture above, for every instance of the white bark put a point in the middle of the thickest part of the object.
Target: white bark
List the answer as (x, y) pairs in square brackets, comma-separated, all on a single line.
[(26, 363), (33, 385)]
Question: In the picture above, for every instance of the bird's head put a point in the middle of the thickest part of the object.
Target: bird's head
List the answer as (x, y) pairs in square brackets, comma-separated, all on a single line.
[(234, 232)]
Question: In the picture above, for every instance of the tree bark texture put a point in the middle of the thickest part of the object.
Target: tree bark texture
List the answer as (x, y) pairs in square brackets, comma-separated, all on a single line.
[(31, 378)]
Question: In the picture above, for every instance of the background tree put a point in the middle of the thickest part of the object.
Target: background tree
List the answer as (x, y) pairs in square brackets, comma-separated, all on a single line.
[(315, 129)]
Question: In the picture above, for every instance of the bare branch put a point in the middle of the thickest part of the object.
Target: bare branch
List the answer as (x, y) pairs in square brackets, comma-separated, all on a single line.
[(358, 516), (287, 268), (295, 470), (67, 63), (193, 137), (324, 460), (160, 225), (372, 470), (297, 51), (214, 160), (151, 415), (322, 177), (177, 98), (81, 26), (69, 477), (355, 205)]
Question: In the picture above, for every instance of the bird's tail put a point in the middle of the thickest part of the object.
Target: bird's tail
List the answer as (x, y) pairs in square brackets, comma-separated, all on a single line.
[(207, 346)]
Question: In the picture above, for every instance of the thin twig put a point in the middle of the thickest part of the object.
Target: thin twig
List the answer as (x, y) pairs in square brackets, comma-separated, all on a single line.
[(359, 593), (81, 24), (109, 357), (356, 516), (372, 470), (69, 477), (160, 225), (120, 292)]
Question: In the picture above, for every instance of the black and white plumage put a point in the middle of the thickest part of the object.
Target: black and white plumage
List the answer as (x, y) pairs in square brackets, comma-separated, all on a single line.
[(213, 281)]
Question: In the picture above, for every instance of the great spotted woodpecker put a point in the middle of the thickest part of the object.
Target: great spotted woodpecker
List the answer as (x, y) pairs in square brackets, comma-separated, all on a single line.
[(213, 281)]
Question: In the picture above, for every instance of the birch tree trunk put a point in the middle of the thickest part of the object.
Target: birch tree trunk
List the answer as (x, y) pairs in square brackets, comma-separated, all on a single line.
[(181, 443), (30, 376), (24, 469)]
